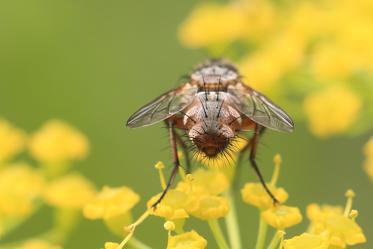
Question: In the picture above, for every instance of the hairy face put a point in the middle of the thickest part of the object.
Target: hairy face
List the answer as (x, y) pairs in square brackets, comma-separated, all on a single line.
[(211, 138)]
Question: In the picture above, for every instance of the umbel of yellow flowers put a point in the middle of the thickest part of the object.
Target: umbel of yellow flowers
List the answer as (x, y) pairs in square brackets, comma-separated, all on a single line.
[(25, 187), (196, 196)]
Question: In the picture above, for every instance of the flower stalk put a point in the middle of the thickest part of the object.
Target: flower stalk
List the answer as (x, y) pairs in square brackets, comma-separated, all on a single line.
[(218, 234), (262, 233), (232, 224), (276, 240)]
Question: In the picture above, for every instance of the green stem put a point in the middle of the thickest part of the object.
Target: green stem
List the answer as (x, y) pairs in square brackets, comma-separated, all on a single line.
[(276, 240), (135, 243), (262, 233), (218, 234), (233, 228)]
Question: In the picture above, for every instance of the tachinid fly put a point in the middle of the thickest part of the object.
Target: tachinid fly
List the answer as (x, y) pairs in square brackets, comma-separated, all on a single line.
[(213, 107)]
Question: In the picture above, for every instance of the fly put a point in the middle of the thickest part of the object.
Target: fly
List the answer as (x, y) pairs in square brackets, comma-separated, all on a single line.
[(213, 107)]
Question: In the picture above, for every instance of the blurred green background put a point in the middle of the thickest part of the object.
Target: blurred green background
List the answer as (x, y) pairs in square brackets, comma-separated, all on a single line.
[(93, 63)]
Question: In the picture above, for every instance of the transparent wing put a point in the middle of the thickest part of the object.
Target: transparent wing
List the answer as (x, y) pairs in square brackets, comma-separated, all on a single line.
[(163, 107), (260, 109)]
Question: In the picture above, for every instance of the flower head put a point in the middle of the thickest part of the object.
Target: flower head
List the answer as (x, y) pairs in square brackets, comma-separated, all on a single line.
[(205, 182), (188, 240), (39, 244), (339, 106), (70, 191), (172, 207), (211, 207), (111, 245), (306, 241), (282, 217), (255, 194), (342, 230), (212, 24), (110, 202), (57, 142), (12, 140), (20, 186)]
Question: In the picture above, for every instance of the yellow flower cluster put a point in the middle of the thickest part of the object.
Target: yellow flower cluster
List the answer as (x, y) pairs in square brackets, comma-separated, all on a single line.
[(20, 187), (185, 240), (24, 188), (319, 51), (325, 114), (71, 191), (197, 195), (113, 206), (57, 142), (205, 195), (330, 227)]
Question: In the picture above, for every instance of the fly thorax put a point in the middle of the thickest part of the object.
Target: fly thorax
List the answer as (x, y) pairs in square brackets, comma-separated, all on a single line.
[(214, 74), (210, 133)]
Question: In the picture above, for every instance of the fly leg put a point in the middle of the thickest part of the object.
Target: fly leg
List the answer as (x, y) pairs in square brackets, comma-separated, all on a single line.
[(241, 157), (185, 150), (254, 144), (175, 161)]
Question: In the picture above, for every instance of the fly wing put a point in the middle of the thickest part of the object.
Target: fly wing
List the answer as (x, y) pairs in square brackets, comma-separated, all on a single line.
[(260, 109), (163, 107)]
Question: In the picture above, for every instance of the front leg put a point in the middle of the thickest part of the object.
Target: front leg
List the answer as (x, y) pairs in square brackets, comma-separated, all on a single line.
[(241, 155), (185, 150), (176, 162), (254, 143)]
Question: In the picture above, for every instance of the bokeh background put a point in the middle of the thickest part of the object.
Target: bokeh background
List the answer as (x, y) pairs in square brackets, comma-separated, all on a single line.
[(93, 63)]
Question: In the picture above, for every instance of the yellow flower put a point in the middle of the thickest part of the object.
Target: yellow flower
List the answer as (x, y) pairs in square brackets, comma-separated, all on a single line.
[(205, 182), (20, 186), (255, 194), (341, 229), (266, 66), (211, 207), (111, 245), (211, 24), (332, 111), (111, 202), (70, 191), (262, 18), (188, 240), (333, 61), (39, 244), (172, 207), (57, 142), (12, 140), (306, 241), (282, 217)]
